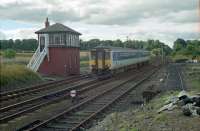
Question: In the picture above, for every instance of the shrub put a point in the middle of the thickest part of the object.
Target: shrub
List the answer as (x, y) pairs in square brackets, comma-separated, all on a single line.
[(9, 53)]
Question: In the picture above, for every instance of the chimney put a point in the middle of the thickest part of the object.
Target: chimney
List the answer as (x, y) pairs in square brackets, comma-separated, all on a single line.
[(46, 23)]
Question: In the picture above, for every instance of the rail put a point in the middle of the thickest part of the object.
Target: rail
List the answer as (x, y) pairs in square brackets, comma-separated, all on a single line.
[(78, 106), (15, 93), (181, 81), (58, 96)]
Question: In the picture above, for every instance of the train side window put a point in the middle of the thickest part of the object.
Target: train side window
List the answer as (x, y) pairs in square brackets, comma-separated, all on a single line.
[(114, 56)]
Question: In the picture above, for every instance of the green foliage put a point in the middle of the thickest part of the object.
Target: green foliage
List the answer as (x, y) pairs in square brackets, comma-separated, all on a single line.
[(84, 58), (31, 44), (156, 52), (9, 53), (19, 45), (13, 74), (84, 63), (134, 44), (179, 44), (193, 76), (179, 57), (161, 117), (189, 48)]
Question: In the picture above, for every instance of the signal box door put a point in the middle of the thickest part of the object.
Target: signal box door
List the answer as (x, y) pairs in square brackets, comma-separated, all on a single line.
[(42, 43)]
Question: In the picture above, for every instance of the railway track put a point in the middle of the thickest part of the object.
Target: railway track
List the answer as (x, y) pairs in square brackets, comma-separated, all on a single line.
[(12, 111), (15, 110), (5, 96), (175, 78), (79, 115), (51, 89), (182, 85)]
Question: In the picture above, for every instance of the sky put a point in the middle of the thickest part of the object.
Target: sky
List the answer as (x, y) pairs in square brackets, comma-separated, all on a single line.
[(165, 20)]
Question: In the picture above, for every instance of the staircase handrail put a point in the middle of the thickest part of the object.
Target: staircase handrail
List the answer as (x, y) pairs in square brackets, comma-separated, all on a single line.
[(40, 59), (34, 57)]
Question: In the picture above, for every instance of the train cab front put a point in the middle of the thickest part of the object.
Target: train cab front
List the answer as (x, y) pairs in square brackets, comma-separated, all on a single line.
[(99, 63)]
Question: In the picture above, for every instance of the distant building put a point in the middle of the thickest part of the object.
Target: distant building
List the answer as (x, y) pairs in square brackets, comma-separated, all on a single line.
[(58, 51)]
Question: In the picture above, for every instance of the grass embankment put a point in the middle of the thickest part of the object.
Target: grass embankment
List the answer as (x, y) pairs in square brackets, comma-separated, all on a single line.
[(20, 58), (147, 119), (84, 59), (23, 58), (14, 74), (192, 72), (180, 57)]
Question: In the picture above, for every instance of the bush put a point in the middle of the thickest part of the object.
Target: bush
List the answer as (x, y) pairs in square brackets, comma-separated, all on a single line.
[(9, 53)]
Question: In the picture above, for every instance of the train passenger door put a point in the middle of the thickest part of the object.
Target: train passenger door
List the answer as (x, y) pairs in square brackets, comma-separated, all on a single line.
[(100, 59), (93, 61)]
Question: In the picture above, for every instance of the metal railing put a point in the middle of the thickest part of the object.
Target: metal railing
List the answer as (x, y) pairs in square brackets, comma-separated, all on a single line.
[(37, 59)]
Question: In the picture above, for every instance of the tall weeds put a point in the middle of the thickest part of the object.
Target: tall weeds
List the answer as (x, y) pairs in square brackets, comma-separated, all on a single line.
[(14, 73)]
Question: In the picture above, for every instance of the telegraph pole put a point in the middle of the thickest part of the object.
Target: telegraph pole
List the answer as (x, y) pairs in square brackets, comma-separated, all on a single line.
[(127, 41), (199, 15)]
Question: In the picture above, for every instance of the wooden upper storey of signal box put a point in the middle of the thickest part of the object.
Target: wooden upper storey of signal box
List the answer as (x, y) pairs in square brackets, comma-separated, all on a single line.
[(58, 35)]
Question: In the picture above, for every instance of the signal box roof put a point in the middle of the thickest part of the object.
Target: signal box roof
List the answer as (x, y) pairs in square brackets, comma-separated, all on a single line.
[(57, 27)]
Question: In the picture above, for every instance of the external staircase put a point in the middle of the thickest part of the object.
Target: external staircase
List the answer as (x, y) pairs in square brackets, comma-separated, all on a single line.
[(37, 59)]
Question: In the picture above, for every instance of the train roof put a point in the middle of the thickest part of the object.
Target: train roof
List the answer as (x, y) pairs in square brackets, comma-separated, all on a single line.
[(117, 48)]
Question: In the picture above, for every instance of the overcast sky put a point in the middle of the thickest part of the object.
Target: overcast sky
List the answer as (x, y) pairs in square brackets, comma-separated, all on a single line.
[(165, 20)]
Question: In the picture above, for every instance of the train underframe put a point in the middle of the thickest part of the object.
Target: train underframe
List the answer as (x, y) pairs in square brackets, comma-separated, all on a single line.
[(100, 59), (106, 73)]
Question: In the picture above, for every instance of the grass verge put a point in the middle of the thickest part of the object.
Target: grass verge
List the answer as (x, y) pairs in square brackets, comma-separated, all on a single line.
[(192, 72), (13, 74)]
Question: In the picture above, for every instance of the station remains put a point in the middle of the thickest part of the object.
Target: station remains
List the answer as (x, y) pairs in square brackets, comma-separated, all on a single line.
[(58, 52)]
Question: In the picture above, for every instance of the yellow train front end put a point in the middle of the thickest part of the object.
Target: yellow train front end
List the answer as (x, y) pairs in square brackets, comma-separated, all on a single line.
[(100, 60)]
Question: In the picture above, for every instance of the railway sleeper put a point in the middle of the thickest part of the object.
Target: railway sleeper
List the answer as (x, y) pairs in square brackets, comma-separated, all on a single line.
[(59, 126), (89, 112), (49, 129), (93, 109), (114, 110), (83, 113), (89, 107), (67, 121), (104, 100), (99, 103), (72, 118)]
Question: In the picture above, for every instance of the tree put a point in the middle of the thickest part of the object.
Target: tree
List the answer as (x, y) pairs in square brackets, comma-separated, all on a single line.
[(17, 44), (24, 45), (156, 52), (179, 44), (32, 44), (189, 48), (118, 43)]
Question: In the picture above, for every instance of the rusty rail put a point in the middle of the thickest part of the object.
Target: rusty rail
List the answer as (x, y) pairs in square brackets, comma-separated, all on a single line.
[(82, 104), (16, 93)]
